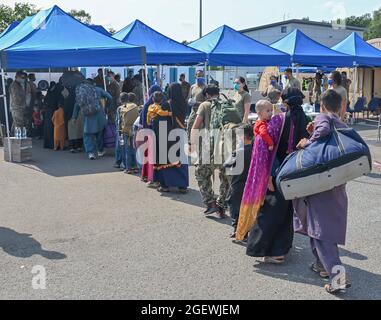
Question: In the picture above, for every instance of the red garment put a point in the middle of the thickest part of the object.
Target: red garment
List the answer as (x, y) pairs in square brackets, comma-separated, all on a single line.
[(37, 119), (260, 129)]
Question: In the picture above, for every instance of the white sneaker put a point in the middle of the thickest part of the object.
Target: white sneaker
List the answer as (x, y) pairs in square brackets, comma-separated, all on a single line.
[(101, 154), (91, 156)]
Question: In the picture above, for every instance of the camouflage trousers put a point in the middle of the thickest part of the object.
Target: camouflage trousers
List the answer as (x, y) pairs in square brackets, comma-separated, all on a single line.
[(205, 177)]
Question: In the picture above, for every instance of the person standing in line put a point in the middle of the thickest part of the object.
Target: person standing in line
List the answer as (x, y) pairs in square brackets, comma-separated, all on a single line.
[(185, 87), (292, 82), (335, 83), (195, 98), (323, 217), (242, 98), (98, 80), (205, 166), (128, 85), (114, 90), (274, 85), (88, 100), (19, 99)]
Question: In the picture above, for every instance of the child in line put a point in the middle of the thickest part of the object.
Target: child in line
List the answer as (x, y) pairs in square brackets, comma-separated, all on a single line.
[(323, 217), (37, 122), (264, 110), (128, 112), (58, 120), (156, 110), (238, 181)]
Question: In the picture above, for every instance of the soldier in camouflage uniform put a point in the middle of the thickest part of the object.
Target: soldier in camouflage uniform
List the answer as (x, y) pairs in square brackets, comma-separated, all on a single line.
[(205, 169), (20, 96)]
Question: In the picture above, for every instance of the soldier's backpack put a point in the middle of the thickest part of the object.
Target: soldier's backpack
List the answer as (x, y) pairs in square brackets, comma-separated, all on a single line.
[(223, 112), (87, 99), (225, 119)]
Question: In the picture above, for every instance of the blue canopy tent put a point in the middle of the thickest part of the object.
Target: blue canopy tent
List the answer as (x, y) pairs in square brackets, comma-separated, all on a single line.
[(160, 49), (100, 29), (53, 38), (364, 54), (228, 47), (13, 25), (306, 51)]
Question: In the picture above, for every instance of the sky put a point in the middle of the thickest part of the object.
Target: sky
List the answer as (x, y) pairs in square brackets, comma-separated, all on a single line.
[(179, 19)]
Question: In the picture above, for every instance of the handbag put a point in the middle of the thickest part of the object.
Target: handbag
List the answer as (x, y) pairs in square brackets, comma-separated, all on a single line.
[(325, 164)]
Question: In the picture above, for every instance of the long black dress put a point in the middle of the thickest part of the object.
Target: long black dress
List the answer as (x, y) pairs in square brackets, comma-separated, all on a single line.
[(52, 100), (273, 233)]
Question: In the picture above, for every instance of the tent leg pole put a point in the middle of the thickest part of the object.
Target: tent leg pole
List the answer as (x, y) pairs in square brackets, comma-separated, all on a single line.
[(4, 93), (354, 87), (146, 78), (104, 79), (50, 76)]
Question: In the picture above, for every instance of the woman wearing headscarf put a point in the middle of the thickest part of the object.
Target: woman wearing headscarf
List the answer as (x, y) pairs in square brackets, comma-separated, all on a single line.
[(264, 211), (148, 167), (171, 172), (52, 100)]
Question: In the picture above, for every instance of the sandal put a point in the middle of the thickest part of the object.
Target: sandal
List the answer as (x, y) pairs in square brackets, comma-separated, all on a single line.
[(163, 189), (329, 288), (315, 267), (272, 260)]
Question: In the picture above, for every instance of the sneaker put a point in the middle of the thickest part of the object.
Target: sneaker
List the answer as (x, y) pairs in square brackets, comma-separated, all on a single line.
[(101, 154), (221, 213), (116, 166), (91, 156), (72, 150)]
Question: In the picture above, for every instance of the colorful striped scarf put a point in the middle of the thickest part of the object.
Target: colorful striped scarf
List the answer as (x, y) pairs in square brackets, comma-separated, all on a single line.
[(258, 178)]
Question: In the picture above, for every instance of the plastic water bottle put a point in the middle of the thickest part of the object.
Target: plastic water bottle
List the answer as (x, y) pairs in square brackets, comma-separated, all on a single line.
[(17, 133), (23, 133)]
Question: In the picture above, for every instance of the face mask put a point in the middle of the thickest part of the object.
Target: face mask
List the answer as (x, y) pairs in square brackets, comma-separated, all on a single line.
[(273, 82), (237, 87), (286, 77), (330, 82), (200, 81), (108, 79), (21, 81)]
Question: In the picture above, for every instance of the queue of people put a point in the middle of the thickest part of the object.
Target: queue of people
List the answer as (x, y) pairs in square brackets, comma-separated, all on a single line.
[(262, 220)]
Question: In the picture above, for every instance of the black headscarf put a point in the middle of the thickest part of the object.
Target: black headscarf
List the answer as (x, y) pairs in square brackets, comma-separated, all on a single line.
[(296, 119), (178, 105)]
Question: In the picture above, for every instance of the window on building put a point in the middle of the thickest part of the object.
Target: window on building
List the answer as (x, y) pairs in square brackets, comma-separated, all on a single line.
[(283, 29)]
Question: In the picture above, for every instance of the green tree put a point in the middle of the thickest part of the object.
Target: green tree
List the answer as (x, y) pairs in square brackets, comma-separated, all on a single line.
[(81, 15), (374, 30), (363, 21), (18, 13)]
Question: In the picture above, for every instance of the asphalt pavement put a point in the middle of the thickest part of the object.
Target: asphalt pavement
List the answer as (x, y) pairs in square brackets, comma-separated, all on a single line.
[(101, 234)]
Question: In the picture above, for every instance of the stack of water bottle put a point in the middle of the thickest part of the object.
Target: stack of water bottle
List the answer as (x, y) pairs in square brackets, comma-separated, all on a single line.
[(20, 133)]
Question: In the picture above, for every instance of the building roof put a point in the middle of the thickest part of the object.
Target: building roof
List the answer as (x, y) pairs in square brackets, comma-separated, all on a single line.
[(299, 21)]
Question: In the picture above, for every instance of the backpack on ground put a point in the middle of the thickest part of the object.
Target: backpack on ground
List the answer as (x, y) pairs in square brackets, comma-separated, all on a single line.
[(223, 112), (87, 99)]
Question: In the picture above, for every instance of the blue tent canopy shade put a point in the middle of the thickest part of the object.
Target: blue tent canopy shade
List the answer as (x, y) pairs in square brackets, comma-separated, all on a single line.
[(53, 38), (362, 52), (306, 51), (228, 47), (160, 49), (100, 29), (13, 25)]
